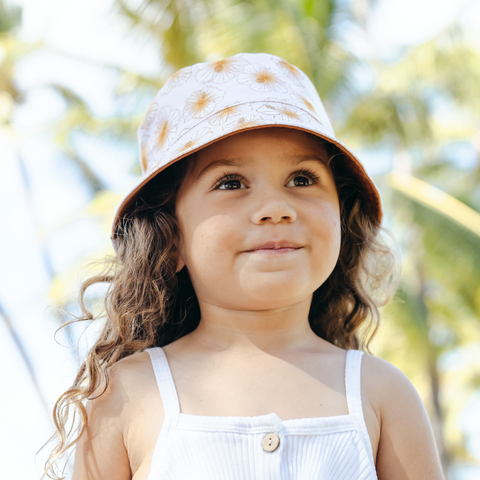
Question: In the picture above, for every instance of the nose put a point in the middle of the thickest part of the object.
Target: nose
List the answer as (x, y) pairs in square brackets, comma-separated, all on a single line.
[(273, 209)]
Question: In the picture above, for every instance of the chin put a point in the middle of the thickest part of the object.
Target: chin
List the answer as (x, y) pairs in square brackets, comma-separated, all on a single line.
[(268, 295)]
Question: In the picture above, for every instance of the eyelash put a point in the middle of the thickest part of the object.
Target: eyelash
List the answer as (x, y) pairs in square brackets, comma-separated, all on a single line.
[(306, 172), (226, 177)]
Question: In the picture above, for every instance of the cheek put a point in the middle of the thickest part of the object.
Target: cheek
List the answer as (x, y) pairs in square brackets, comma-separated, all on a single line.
[(209, 245), (327, 234)]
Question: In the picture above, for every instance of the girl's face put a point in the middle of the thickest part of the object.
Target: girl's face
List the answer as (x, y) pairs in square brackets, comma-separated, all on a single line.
[(260, 220)]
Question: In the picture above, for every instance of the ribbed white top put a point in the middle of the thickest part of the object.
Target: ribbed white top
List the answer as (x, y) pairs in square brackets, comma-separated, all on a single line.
[(230, 448)]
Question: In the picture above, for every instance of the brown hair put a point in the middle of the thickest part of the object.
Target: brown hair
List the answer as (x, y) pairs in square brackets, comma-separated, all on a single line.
[(148, 304)]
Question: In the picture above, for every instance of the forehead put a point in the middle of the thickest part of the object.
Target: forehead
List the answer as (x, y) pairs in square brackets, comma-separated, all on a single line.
[(262, 140)]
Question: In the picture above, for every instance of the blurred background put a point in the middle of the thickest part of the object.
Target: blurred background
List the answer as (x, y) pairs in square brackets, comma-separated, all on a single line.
[(401, 83)]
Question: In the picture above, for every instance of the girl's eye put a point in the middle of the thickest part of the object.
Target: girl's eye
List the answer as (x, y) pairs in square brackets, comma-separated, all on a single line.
[(230, 182), (303, 179), (231, 185)]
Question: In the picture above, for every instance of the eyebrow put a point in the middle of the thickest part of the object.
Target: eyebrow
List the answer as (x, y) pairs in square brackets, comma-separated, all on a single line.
[(305, 158), (222, 162), (240, 162)]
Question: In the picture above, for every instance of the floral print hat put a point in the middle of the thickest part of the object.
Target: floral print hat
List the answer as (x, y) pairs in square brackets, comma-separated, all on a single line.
[(203, 103)]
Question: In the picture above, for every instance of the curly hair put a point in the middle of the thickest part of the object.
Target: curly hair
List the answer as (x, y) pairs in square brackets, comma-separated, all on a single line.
[(149, 304)]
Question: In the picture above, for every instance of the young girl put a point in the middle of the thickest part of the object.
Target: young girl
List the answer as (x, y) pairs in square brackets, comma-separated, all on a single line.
[(249, 269)]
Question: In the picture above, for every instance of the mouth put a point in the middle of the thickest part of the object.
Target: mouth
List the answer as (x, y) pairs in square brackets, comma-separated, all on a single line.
[(276, 248)]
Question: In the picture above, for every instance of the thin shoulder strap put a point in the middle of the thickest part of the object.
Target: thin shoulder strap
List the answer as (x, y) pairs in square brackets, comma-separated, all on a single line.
[(353, 370), (163, 375)]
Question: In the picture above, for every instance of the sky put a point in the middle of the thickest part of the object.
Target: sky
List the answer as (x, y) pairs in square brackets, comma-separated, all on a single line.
[(91, 36)]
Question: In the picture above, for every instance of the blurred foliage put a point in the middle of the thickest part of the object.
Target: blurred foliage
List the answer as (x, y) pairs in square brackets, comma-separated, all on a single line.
[(421, 109), (10, 50)]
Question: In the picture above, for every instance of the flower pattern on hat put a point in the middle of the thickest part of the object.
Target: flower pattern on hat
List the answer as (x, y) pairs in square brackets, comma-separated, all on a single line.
[(165, 127), (150, 115), (177, 79), (261, 78), (202, 102), (232, 111), (220, 71), (303, 101), (244, 123), (144, 150), (204, 134), (241, 92), (290, 71), (282, 111)]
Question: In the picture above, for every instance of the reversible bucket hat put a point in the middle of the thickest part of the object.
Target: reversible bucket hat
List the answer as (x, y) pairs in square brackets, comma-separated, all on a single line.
[(205, 102)]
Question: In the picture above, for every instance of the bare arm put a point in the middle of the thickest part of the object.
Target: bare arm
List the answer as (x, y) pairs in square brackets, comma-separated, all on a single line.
[(123, 424), (101, 453), (407, 449)]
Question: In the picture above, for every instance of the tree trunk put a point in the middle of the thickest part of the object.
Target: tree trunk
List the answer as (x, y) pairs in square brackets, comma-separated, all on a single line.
[(432, 357)]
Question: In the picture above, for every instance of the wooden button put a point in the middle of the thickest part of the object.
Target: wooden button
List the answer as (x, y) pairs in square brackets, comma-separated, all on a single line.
[(270, 442)]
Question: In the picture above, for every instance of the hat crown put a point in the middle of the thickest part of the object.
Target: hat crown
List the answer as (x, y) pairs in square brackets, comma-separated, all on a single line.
[(207, 101)]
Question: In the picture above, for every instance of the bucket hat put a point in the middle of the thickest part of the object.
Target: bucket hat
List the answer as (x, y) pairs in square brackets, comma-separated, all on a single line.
[(205, 102)]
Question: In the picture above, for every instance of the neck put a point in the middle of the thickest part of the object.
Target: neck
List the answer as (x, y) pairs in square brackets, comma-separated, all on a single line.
[(284, 329)]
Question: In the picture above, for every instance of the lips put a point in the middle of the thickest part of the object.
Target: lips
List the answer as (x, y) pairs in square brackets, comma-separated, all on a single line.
[(273, 246)]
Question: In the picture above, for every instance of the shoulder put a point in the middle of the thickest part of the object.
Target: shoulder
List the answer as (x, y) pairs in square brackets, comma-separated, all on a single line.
[(118, 396), (390, 392), (131, 388), (119, 413), (385, 383), (126, 378), (132, 370), (129, 367), (406, 444)]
